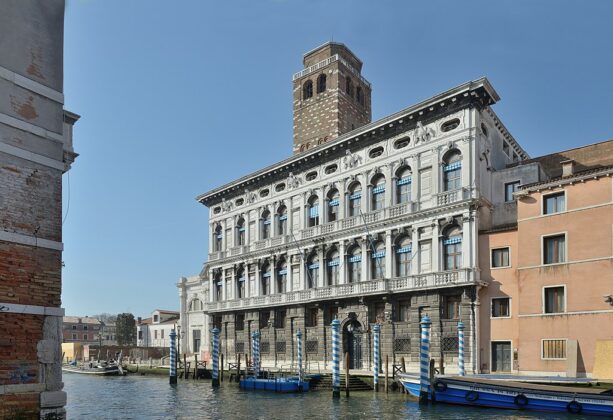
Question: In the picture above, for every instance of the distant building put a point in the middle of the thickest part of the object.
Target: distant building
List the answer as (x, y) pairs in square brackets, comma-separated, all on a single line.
[(155, 331), (82, 330), (109, 333), (36, 148)]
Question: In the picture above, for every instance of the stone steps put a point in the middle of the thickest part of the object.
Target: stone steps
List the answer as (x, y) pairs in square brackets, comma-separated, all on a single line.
[(325, 383)]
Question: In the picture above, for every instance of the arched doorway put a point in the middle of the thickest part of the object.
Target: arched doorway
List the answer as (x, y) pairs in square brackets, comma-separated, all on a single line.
[(352, 339)]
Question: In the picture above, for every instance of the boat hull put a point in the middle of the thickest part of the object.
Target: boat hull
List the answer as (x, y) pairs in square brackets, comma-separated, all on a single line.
[(500, 396), (109, 371), (275, 385)]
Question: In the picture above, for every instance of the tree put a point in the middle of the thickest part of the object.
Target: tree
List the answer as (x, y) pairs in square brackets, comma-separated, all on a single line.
[(126, 329)]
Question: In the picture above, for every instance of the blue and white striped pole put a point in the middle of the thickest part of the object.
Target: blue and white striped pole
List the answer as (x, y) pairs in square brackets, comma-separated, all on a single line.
[(376, 352), (256, 353), (215, 357), (462, 372), (424, 359), (173, 357), (299, 345), (336, 368)]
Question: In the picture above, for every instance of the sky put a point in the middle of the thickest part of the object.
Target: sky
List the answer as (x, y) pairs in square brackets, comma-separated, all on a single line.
[(179, 97)]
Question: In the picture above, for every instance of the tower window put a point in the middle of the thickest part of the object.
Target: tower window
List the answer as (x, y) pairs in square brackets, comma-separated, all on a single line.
[(450, 125), (349, 86), (359, 96), (321, 83), (307, 90)]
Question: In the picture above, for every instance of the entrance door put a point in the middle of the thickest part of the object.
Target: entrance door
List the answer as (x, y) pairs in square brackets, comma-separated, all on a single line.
[(353, 343), (501, 356)]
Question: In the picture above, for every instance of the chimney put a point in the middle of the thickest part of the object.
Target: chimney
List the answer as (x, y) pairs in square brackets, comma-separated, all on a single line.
[(568, 167), (139, 319)]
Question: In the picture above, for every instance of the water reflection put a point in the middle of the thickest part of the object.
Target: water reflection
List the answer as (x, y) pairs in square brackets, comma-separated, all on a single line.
[(150, 397)]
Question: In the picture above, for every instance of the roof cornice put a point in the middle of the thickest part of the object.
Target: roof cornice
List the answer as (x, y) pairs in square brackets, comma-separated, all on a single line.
[(476, 88)]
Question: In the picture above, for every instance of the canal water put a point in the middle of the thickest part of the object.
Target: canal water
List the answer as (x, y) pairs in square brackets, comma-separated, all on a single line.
[(151, 397)]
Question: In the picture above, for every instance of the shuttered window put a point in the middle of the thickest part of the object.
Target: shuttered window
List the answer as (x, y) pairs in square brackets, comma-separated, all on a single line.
[(554, 349)]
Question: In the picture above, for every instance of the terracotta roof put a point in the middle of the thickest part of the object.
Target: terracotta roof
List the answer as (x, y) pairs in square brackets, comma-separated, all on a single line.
[(596, 171), (164, 311), (144, 321)]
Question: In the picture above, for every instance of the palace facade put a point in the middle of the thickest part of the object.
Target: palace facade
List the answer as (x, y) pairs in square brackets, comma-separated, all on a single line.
[(368, 222)]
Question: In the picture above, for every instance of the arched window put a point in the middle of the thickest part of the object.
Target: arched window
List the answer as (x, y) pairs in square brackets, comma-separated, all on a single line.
[(266, 275), (321, 83), (307, 90), (240, 282), (218, 285), (355, 199), (266, 225), (452, 170), (240, 232), (378, 192), (312, 271), (403, 257), (218, 239), (403, 185), (378, 261), (333, 205), (452, 247), (354, 260), (195, 305), (282, 276), (359, 96), (349, 86), (333, 266), (282, 220), (313, 209)]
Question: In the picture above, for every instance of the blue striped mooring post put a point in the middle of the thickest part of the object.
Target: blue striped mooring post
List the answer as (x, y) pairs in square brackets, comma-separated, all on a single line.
[(461, 370), (255, 343), (173, 357), (424, 359), (215, 374), (299, 347), (376, 352), (336, 359)]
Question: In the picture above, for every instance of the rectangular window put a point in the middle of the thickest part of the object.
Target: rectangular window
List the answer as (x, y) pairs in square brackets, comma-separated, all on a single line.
[(554, 349), (501, 307), (295, 220), (500, 257), (85, 327), (140, 335), (155, 318), (509, 189), (505, 148), (554, 203), (228, 237), (85, 338), (554, 300), (239, 322), (264, 319), (403, 310), (155, 334), (425, 265), (74, 336), (554, 249), (378, 313), (451, 307), (74, 327), (331, 314), (311, 317), (425, 183), (280, 319), (252, 231), (162, 334)]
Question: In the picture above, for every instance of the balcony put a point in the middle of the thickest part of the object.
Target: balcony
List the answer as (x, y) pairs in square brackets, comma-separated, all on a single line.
[(436, 280)]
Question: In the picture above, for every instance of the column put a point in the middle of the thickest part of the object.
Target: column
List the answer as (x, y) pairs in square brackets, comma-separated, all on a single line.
[(437, 171), (387, 172), (224, 239), (343, 263), (414, 250), (273, 275), (393, 190), (388, 255), (367, 201), (303, 274), (466, 241), (365, 253), (212, 238), (211, 286), (289, 278), (258, 282), (321, 282), (415, 182), (436, 248), (343, 197), (322, 202)]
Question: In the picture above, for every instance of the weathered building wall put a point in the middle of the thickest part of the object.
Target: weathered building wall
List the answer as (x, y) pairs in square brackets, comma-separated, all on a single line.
[(35, 150)]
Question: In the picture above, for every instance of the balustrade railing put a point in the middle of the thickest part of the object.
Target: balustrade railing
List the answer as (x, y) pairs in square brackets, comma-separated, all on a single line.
[(393, 285)]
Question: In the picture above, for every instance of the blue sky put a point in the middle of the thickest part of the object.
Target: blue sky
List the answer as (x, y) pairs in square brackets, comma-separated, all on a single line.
[(179, 97)]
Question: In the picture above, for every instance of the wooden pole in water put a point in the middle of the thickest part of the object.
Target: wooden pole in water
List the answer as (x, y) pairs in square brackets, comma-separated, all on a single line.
[(195, 366), (386, 371), (185, 370), (221, 367), (347, 374), (404, 369)]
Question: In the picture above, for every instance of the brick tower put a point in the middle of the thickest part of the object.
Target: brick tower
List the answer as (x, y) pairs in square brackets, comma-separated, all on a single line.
[(330, 96)]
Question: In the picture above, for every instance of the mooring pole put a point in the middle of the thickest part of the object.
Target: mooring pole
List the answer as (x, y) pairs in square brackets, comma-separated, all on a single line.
[(424, 360), (215, 373), (461, 370), (238, 368), (336, 370), (386, 371), (221, 367), (376, 352), (346, 374), (299, 350), (173, 358)]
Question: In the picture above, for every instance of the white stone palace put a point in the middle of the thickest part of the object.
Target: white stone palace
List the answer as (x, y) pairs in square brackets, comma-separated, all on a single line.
[(369, 222)]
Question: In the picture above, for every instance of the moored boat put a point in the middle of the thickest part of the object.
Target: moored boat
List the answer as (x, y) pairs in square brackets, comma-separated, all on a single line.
[(113, 370), (292, 384), (506, 394)]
